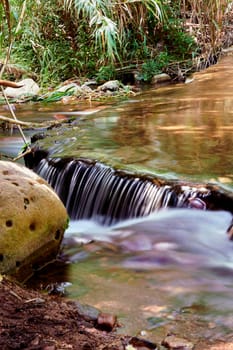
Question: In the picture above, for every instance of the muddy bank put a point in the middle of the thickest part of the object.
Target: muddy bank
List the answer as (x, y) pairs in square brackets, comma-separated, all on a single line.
[(32, 320)]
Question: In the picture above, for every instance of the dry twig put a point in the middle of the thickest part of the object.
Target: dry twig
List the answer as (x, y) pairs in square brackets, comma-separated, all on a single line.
[(8, 83)]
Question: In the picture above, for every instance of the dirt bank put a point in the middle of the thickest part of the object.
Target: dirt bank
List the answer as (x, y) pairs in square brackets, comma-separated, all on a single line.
[(37, 321), (32, 320)]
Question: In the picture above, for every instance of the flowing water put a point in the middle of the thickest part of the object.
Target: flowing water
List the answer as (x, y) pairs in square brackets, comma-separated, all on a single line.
[(171, 271), (91, 190)]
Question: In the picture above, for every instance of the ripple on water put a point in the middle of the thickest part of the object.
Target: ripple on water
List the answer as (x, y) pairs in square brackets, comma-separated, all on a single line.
[(189, 238)]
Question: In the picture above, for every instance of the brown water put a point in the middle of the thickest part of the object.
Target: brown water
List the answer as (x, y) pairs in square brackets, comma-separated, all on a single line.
[(181, 283), (182, 130)]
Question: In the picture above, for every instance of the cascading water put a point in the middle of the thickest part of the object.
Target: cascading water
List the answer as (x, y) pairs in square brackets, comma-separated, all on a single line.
[(95, 191)]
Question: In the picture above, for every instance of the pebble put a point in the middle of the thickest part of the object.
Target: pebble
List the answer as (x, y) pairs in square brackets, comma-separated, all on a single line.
[(196, 203), (89, 313), (173, 342), (142, 344), (106, 321)]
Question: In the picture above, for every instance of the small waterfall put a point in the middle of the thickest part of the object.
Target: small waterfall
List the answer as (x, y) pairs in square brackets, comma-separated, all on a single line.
[(98, 192)]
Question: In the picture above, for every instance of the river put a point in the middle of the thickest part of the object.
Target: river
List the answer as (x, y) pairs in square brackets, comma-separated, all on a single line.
[(172, 271)]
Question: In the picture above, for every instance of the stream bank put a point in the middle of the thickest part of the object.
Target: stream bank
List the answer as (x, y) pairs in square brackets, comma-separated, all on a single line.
[(31, 320), (35, 321)]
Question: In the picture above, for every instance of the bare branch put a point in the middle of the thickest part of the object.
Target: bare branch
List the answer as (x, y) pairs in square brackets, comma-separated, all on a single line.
[(8, 83)]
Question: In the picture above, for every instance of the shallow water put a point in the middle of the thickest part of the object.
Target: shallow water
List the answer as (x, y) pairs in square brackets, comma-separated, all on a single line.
[(148, 270), (166, 272)]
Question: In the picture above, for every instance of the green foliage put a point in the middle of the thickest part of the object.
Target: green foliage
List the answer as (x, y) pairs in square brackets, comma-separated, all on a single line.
[(80, 38), (55, 96), (154, 66), (67, 224), (177, 42), (106, 73), (60, 39), (2, 27), (109, 21), (43, 45)]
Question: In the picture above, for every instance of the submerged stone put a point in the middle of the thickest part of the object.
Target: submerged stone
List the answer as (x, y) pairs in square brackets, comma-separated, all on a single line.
[(174, 342), (32, 221)]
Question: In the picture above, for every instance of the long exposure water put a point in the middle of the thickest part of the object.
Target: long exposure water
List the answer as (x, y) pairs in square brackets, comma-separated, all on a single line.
[(172, 271)]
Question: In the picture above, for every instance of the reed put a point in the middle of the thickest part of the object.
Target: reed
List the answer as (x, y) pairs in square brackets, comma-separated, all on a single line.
[(72, 38), (206, 21), (110, 20), (7, 11)]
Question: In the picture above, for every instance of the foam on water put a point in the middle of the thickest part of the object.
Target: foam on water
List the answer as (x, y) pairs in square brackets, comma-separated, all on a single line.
[(180, 235)]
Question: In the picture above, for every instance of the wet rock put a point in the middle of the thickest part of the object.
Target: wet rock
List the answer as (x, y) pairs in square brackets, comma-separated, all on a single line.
[(160, 78), (91, 84), (189, 80), (28, 88), (72, 87), (111, 85), (141, 344), (174, 342), (32, 221), (196, 203), (230, 231), (85, 89), (88, 312), (106, 321)]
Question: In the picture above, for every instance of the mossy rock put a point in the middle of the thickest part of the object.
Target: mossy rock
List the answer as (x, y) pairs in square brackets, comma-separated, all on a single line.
[(32, 221)]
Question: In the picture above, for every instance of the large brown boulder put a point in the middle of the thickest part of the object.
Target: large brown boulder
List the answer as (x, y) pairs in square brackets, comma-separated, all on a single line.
[(32, 221)]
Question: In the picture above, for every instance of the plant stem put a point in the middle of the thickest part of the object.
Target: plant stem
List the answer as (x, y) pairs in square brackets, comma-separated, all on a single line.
[(5, 63), (14, 116)]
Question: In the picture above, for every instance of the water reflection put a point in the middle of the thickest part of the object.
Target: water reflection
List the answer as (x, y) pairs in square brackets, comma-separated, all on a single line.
[(183, 130), (186, 129)]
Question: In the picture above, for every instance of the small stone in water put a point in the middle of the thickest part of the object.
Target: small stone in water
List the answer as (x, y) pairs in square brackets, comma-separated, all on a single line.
[(143, 333), (142, 344), (173, 342), (106, 321), (196, 203)]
